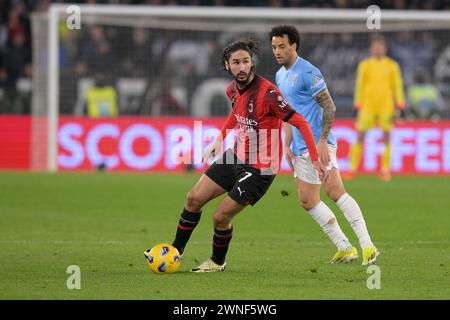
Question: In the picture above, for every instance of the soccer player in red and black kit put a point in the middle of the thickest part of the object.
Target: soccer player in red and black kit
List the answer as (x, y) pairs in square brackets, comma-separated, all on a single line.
[(246, 171)]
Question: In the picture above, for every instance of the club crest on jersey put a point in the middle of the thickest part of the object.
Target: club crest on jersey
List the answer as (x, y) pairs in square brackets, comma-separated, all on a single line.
[(233, 103), (293, 80)]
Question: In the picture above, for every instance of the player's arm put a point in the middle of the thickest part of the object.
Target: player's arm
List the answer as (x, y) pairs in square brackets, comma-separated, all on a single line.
[(324, 99), (399, 92), (288, 135), (280, 108), (398, 84), (215, 147), (296, 120), (359, 84), (229, 125)]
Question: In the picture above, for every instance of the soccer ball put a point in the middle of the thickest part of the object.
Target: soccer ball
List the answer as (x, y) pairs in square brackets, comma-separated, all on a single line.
[(163, 258)]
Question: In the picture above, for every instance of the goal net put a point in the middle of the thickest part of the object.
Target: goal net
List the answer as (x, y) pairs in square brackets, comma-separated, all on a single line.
[(166, 60)]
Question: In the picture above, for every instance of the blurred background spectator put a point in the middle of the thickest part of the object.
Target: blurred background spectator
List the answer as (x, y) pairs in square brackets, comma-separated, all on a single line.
[(100, 100), (424, 99), (15, 56), (413, 53), (159, 71)]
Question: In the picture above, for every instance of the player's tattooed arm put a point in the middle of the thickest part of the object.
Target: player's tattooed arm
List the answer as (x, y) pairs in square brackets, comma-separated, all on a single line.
[(325, 101)]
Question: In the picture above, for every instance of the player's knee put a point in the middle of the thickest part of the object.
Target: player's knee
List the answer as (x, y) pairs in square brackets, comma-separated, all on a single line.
[(193, 201), (221, 220), (335, 193), (331, 221), (308, 204)]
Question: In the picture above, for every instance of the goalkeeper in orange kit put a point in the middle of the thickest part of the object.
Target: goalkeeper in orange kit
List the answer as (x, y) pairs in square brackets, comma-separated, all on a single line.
[(378, 92)]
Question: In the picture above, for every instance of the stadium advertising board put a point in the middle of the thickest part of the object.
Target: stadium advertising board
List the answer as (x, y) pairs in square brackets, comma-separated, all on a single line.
[(170, 144)]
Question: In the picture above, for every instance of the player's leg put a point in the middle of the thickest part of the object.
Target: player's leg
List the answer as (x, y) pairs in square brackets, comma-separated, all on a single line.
[(356, 153), (203, 191), (335, 190), (308, 188), (309, 195), (223, 232), (223, 229), (386, 124), (385, 173), (364, 122), (250, 186), (216, 180)]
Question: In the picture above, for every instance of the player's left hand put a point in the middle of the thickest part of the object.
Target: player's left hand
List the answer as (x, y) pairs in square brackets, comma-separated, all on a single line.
[(324, 154), (212, 150), (324, 175)]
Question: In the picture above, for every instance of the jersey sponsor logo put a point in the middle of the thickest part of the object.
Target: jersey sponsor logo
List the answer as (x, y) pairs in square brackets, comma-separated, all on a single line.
[(246, 121)]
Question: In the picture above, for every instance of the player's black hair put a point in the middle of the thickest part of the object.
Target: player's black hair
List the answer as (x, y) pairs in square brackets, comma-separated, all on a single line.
[(290, 31), (249, 45)]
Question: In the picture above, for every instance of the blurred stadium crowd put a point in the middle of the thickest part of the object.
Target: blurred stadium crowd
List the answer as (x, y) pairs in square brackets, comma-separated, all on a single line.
[(384, 4), (184, 63)]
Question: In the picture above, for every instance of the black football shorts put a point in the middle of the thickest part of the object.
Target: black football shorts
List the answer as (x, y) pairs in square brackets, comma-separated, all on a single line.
[(245, 184)]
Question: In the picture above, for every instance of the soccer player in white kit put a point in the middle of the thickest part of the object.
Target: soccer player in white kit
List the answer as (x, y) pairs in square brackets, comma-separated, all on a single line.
[(303, 86)]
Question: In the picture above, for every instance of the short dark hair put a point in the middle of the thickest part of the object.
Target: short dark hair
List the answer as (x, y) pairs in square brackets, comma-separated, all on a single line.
[(377, 37), (249, 45), (290, 31)]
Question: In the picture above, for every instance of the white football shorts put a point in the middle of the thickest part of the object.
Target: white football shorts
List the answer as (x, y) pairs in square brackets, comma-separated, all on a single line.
[(304, 170)]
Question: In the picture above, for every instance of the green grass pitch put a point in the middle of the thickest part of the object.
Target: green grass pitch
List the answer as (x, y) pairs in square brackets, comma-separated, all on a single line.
[(103, 223)]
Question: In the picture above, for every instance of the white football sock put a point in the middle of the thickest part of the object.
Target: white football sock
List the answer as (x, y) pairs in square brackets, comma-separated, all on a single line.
[(322, 214), (354, 216)]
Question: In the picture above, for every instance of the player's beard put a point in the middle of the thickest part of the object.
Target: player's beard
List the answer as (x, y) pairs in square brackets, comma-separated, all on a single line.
[(285, 61), (241, 81)]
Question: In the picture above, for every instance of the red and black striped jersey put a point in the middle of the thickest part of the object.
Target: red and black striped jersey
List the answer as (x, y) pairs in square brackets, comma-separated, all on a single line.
[(258, 111)]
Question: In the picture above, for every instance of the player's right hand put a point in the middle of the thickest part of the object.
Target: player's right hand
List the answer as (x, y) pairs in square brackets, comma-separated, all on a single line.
[(289, 157), (324, 174), (399, 115), (212, 150), (323, 151)]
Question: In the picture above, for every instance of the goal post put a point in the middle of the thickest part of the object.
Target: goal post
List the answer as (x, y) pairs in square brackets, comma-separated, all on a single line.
[(183, 34)]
